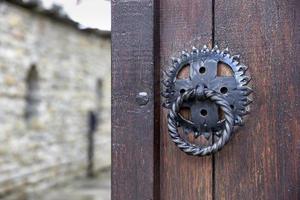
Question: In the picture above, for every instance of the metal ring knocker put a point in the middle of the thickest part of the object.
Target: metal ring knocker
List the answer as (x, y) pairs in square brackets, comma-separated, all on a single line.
[(225, 132), (204, 89)]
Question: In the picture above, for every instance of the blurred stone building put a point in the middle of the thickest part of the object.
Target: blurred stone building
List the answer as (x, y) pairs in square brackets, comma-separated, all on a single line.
[(54, 90)]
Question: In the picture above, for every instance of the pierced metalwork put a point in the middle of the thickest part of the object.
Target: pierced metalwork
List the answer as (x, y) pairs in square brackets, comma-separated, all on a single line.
[(204, 92)]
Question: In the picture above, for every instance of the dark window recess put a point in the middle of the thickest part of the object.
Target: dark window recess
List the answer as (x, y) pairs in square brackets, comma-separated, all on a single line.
[(32, 94), (92, 125), (99, 95), (93, 122)]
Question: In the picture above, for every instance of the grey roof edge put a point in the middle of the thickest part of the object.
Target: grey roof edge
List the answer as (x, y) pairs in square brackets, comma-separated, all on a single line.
[(56, 14)]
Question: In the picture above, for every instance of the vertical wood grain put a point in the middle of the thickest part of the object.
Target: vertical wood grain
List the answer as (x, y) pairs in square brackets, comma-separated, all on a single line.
[(262, 160), (182, 25), (132, 124)]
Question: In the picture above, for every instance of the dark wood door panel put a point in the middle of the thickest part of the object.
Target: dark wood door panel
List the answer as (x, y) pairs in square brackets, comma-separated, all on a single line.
[(262, 160), (183, 24), (132, 124)]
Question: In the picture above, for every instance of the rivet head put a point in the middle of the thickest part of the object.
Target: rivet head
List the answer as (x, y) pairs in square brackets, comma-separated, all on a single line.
[(142, 98)]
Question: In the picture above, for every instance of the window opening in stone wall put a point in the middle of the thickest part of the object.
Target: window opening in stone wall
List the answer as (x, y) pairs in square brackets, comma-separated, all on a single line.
[(99, 95), (32, 94), (93, 121)]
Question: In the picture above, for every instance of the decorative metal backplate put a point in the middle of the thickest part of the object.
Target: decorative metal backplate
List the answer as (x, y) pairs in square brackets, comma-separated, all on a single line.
[(203, 66)]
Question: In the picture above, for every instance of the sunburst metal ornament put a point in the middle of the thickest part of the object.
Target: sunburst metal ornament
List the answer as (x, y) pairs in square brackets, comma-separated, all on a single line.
[(199, 88)]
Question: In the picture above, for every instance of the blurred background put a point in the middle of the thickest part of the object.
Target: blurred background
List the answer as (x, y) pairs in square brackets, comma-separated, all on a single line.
[(55, 63)]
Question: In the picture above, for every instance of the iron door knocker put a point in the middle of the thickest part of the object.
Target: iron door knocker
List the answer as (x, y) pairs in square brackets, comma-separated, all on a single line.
[(217, 103)]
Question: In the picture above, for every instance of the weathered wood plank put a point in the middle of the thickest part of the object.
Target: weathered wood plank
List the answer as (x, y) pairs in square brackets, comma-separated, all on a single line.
[(132, 124), (183, 24), (262, 161)]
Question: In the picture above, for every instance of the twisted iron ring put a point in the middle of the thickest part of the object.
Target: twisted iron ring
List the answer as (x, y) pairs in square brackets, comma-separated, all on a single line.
[(183, 144)]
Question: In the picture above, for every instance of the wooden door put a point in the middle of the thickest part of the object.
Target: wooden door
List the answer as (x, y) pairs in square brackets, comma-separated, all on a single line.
[(262, 159)]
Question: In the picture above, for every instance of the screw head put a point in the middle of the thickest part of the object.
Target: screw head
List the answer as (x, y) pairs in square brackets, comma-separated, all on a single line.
[(142, 98)]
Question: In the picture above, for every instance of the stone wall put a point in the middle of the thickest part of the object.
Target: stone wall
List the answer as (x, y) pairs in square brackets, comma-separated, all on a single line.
[(50, 146)]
